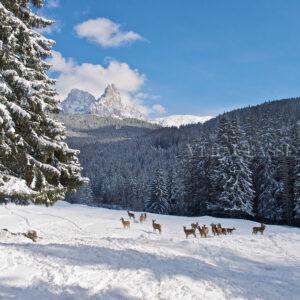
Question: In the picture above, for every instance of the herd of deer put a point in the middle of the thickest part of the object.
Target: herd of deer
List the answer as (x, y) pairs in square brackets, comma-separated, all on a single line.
[(216, 229), (143, 217)]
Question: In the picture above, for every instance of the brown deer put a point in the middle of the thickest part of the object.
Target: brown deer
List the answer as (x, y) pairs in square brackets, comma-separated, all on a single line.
[(213, 228), (126, 224), (142, 218), (203, 231), (194, 225), (130, 215), (221, 230), (189, 232), (260, 229), (156, 226), (230, 230)]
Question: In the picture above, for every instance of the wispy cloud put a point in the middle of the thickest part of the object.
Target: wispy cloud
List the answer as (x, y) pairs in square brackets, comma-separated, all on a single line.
[(106, 33)]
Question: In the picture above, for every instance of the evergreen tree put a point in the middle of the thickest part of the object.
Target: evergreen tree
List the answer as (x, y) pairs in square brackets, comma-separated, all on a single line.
[(158, 202), (175, 190), (35, 162), (196, 178), (270, 187), (270, 190), (231, 175)]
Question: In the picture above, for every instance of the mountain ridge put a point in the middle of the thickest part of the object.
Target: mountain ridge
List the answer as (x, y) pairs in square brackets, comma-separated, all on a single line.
[(111, 105)]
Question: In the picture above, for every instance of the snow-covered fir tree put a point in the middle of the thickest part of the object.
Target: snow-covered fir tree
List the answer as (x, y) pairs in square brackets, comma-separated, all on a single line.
[(158, 199), (231, 175), (196, 178), (175, 189), (270, 190), (35, 161), (270, 187)]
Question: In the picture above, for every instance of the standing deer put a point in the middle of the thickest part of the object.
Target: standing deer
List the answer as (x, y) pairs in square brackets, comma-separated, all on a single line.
[(189, 232), (130, 215), (203, 231), (230, 230), (214, 229), (221, 230), (260, 229), (156, 226), (126, 224), (142, 218)]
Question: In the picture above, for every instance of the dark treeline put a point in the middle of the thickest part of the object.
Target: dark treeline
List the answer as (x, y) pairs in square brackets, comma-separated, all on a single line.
[(244, 163)]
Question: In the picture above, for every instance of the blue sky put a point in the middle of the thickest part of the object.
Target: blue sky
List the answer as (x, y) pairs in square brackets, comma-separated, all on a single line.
[(192, 57)]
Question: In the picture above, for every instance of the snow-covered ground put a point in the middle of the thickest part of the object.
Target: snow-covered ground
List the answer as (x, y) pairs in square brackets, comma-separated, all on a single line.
[(85, 253)]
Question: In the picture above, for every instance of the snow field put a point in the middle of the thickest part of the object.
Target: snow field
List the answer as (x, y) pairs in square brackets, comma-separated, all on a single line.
[(85, 253)]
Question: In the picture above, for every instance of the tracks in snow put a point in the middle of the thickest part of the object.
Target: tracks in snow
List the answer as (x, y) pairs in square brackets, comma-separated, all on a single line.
[(47, 215)]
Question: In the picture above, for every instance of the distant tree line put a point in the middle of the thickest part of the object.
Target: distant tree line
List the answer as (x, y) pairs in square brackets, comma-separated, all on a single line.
[(244, 163)]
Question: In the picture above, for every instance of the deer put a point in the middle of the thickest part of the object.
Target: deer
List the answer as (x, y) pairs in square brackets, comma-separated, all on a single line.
[(194, 225), (142, 218), (260, 229), (189, 232), (221, 230), (203, 231), (145, 216), (126, 224), (156, 226), (214, 229), (130, 215), (230, 230)]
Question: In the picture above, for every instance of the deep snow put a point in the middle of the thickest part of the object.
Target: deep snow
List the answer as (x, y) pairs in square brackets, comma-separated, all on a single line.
[(85, 253)]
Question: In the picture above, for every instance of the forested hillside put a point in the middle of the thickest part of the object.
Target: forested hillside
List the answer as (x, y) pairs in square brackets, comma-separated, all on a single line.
[(243, 163)]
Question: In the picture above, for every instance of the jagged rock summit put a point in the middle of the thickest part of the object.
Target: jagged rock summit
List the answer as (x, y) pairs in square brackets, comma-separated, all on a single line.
[(110, 104), (78, 102)]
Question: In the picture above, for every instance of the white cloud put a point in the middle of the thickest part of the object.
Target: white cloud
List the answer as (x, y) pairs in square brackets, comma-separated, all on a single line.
[(106, 33), (52, 4), (93, 78), (158, 108), (61, 64)]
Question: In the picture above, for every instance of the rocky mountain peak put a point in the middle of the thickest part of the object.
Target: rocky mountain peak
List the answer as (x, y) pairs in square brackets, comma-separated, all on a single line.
[(78, 102), (110, 104)]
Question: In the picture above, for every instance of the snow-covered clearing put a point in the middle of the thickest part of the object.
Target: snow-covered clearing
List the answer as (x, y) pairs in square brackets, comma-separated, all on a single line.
[(84, 253)]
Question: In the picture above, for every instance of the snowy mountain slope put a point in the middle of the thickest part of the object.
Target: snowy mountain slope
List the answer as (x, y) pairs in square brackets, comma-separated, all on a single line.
[(78, 102), (179, 120), (84, 253)]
